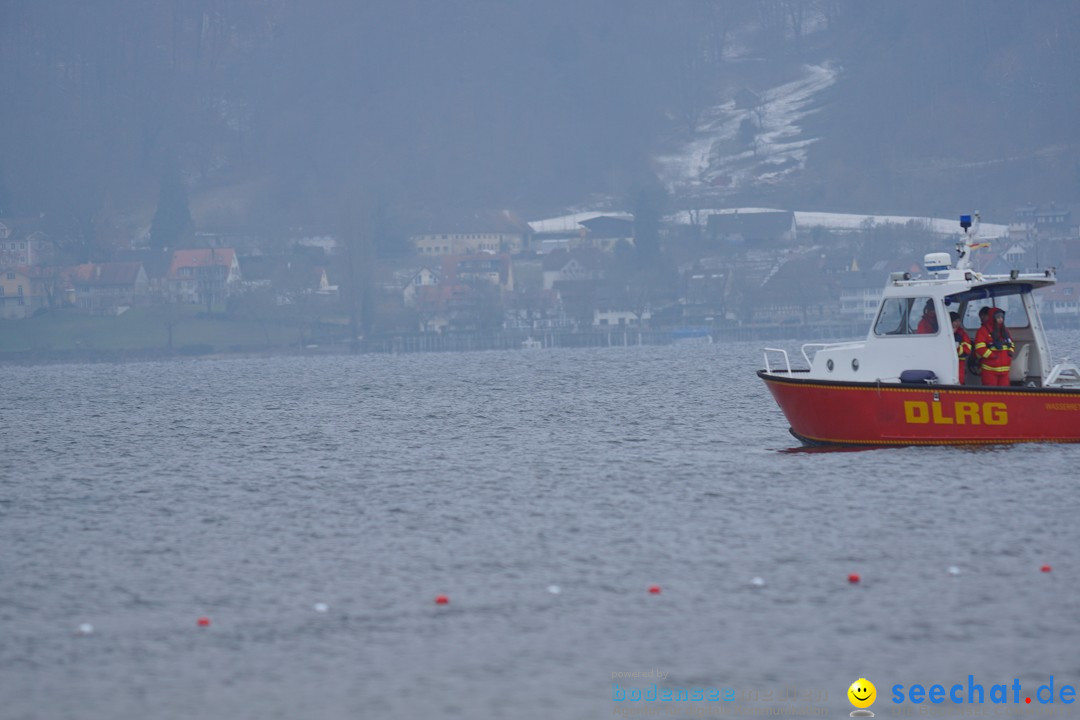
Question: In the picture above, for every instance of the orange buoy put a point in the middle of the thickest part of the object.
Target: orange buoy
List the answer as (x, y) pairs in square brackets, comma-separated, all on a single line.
[(654, 589), (853, 578), (203, 622), (442, 600)]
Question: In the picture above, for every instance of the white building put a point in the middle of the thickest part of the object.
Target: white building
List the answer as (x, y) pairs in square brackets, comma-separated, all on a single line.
[(860, 294)]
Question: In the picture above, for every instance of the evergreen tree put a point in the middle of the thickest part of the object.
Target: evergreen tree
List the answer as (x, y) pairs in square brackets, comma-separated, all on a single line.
[(648, 205), (172, 223)]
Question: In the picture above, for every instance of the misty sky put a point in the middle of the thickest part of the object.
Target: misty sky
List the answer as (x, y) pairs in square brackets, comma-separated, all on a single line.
[(293, 108)]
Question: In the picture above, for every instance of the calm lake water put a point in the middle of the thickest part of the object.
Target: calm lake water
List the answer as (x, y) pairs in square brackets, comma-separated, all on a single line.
[(140, 497)]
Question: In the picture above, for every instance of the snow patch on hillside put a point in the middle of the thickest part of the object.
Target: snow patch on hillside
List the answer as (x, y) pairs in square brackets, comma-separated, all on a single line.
[(717, 160)]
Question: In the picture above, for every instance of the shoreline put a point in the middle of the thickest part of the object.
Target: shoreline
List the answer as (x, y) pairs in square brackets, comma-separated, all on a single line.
[(509, 340), (452, 342)]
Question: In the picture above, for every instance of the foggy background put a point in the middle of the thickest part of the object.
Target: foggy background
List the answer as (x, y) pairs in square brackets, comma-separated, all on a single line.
[(286, 112)]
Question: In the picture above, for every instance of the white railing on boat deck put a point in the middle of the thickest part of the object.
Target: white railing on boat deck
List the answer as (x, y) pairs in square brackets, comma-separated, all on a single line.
[(787, 362), (1064, 374), (822, 346)]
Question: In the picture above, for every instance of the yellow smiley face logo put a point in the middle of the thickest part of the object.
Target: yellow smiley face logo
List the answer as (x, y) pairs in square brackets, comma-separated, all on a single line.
[(862, 693)]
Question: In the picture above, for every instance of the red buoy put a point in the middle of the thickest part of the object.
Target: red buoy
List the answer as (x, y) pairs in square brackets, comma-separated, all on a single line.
[(442, 600), (203, 622), (1046, 568), (853, 578), (654, 589)]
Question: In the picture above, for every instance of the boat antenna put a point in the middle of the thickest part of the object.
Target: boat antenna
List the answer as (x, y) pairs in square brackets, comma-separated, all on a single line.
[(968, 243)]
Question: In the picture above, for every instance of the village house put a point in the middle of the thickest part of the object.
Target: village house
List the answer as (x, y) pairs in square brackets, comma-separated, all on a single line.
[(16, 299), (155, 264), (205, 275), (289, 277), (466, 293), (706, 287), (615, 304), (534, 309), (1061, 300), (494, 232), (453, 306), (860, 293), (620, 317), (1054, 222), (111, 288), (564, 266), (861, 290), (22, 245), (550, 242), (1049, 222), (496, 270), (56, 283), (583, 230), (577, 276), (1022, 226), (424, 277), (431, 303), (26, 289), (1016, 256)]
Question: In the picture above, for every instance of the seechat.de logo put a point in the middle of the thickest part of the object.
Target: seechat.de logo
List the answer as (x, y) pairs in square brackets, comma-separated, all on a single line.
[(862, 695)]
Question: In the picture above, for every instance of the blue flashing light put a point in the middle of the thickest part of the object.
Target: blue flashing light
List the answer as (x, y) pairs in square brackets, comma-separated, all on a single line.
[(965, 221)]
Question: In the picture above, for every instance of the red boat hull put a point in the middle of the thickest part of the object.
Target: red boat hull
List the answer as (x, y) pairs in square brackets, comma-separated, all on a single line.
[(847, 413)]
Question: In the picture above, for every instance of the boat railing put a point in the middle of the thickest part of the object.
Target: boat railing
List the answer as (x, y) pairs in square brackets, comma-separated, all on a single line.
[(823, 346), (1064, 374), (787, 361)]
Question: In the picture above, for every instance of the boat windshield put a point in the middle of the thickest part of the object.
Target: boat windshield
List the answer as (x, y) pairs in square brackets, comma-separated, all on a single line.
[(1007, 297), (907, 316)]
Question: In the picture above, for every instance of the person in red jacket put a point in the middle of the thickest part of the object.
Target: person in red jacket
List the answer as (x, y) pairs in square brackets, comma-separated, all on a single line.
[(995, 348), (928, 322), (963, 344)]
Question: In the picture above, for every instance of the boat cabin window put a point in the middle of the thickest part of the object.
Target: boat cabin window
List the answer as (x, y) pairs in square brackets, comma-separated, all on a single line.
[(908, 316), (1013, 305)]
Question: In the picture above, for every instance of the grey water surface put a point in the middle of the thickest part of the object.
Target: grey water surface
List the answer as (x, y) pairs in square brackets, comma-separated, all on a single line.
[(140, 497)]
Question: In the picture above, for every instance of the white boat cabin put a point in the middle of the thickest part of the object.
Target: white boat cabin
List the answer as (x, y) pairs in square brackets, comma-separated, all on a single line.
[(912, 337)]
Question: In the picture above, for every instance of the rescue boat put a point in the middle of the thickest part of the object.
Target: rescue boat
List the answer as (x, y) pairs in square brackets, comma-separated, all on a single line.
[(902, 384)]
